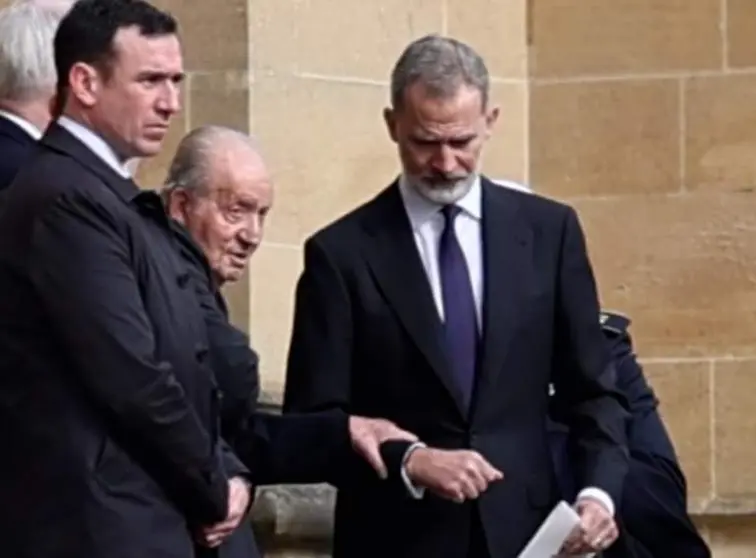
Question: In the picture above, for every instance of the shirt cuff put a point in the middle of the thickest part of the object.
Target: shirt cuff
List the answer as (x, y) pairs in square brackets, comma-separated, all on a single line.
[(600, 496), (417, 492)]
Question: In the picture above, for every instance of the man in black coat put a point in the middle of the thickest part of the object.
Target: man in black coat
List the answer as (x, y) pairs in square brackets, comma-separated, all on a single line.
[(108, 400)]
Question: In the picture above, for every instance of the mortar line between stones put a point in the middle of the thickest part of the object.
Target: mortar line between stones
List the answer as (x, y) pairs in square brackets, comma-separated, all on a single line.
[(445, 17), (250, 73), (341, 79), (723, 25), (712, 430), (526, 136), (682, 110), (693, 360), (187, 103), (650, 76)]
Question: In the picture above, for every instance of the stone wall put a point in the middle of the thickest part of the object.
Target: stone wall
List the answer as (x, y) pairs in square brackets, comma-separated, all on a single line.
[(640, 113)]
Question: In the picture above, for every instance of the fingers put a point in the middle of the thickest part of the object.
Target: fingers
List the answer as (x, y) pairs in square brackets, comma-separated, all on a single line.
[(399, 434), (597, 530), (471, 477), (215, 536)]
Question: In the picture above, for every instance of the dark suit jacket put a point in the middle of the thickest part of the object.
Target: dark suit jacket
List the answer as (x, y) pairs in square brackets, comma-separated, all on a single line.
[(367, 339), (653, 509), (16, 146), (309, 448), (109, 405)]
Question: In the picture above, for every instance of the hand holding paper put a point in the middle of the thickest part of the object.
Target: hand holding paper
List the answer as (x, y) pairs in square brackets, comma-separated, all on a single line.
[(553, 533)]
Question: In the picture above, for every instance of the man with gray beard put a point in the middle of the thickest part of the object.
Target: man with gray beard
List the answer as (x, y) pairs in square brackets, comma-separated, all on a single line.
[(448, 304)]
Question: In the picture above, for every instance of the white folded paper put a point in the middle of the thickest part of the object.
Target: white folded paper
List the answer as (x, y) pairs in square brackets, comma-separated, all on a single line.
[(552, 533)]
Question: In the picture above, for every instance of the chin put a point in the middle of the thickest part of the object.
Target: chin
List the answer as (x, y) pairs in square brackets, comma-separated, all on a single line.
[(148, 148), (232, 276)]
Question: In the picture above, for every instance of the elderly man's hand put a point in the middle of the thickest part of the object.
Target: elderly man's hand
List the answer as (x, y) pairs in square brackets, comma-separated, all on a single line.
[(367, 436), (239, 495), (597, 530)]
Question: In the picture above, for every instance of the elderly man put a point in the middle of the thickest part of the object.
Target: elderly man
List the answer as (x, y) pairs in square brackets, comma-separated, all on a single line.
[(27, 78), (219, 192)]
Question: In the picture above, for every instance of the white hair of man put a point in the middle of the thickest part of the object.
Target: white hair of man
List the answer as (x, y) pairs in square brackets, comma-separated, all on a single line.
[(27, 62), (192, 164)]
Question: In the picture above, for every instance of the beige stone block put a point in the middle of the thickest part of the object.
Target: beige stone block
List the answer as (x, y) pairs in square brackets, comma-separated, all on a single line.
[(596, 37), (496, 29), (605, 138), (214, 34), (506, 154), (338, 37), (735, 428), (732, 537), (721, 133), (237, 296), (681, 267), (274, 272), (327, 148), (220, 99), (741, 41), (684, 392)]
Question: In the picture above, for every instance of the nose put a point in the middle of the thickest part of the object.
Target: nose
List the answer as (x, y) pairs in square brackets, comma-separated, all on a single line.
[(444, 160), (250, 235), (169, 101)]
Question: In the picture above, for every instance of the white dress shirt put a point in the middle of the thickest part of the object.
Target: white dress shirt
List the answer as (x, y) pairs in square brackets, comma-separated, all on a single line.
[(427, 224), (96, 144), (25, 125)]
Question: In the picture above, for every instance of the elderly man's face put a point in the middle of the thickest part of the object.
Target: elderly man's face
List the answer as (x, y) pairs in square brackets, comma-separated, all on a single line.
[(227, 219)]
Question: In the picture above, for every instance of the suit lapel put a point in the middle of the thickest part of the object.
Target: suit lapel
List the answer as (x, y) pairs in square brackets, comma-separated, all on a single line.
[(507, 264), (393, 258)]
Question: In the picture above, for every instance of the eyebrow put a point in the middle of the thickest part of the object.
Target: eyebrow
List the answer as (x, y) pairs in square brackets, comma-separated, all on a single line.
[(157, 75)]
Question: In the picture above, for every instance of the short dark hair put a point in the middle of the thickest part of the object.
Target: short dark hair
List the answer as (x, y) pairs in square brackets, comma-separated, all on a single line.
[(87, 32)]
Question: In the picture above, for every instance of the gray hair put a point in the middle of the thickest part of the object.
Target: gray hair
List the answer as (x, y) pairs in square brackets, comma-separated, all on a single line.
[(27, 64), (190, 167), (442, 65)]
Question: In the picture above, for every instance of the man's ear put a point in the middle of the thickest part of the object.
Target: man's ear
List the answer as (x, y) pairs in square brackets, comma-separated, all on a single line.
[(177, 204), (389, 117)]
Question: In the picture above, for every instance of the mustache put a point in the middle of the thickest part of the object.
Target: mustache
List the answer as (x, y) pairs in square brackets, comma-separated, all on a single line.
[(441, 178)]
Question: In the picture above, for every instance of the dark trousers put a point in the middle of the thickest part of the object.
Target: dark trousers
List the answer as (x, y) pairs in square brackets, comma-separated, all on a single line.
[(478, 548)]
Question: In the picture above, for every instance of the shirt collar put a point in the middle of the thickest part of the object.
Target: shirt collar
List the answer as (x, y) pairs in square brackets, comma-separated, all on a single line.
[(94, 142), (24, 124), (420, 210)]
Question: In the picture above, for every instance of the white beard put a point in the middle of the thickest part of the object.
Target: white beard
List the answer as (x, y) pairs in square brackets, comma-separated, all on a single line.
[(443, 194)]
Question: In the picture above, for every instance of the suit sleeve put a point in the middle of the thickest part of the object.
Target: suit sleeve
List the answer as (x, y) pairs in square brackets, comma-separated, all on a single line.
[(646, 432), (319, 367), (81, 271), (318, 373), (585, 386), (297, 448)]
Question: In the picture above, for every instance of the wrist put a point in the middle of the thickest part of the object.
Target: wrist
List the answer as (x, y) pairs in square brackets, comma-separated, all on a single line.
[(415, 458)]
